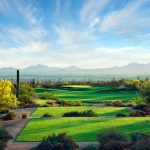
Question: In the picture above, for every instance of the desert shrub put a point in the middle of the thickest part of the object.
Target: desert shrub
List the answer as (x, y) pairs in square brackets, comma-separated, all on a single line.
[(87, 113), (2, 145), (47, 95), (118, 104), (138, 114), (137, 101), (72, 114), (140, 107), (140, 141), (25, 99), (49, 103), (121, 115), (4, 110), (69, 103), (112, 145), (110, 139), (47, 115), (26, 95), (141, 145), (144, 90), (24, 115), (57, 142), (4, 135), (139, 136), (10, 116), (90, 147)]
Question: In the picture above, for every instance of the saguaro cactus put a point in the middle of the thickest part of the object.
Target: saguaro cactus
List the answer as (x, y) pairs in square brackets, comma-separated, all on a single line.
[(18, 84)]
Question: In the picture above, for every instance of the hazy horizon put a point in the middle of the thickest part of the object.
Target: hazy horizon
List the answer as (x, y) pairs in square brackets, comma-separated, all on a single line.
[(81, 33)]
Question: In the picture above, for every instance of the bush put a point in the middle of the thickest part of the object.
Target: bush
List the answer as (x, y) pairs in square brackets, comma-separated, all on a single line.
[(141, 145), (4, 135), (9, 116), (118, 104), (47, 95), (25, 99), (87, 113), (138, 114), (112, 145), (111, 140), (90, 147), (4, 110), (144, 90), (140, 107), (69, 103), (24, 115), (57, 142), (135, 137), (47, 115), (71, 114), (2, 145), (140, 141), (110, 135), (121, 115)]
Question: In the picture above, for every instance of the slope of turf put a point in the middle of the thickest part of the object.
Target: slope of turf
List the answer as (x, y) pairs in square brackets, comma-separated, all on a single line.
[(81, 129), (101, 111), (91, 94)]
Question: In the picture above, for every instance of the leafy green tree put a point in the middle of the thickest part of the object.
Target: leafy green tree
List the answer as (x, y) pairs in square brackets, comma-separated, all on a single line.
[(8, 99), (144, 90)]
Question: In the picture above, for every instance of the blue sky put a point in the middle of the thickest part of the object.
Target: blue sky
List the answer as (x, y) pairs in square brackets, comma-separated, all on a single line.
[(84, 33)]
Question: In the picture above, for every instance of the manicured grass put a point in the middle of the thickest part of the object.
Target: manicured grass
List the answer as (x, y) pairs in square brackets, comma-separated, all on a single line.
[(41, 101), (81, 129), (101, 111), (90, 94)]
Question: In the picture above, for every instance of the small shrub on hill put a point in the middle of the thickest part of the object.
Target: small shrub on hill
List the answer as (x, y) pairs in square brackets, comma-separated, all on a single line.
[(57, 142)]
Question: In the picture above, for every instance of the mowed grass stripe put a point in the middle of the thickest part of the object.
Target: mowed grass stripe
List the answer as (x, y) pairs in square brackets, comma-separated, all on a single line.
[(82, 128), (101, 111), (90, 94)]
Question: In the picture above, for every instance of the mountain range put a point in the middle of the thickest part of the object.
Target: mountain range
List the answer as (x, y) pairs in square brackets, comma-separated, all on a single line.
[(129, 69)]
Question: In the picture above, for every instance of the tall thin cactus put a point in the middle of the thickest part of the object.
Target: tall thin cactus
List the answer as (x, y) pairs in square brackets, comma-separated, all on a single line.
[(18, 85)]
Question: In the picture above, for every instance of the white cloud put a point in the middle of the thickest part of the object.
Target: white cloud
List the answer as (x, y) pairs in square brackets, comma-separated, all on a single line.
[(127, 21), (91, 9)]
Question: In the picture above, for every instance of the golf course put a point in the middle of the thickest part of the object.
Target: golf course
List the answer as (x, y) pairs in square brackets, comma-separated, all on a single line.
[(90, 94)]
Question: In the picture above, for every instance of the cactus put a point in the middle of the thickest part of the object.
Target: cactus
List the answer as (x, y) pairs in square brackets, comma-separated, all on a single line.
[(18, 84)]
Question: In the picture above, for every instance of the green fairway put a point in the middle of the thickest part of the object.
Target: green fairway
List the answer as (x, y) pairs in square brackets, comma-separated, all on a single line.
[(81, 129), (90, 94), (41, 101), (101, 111)]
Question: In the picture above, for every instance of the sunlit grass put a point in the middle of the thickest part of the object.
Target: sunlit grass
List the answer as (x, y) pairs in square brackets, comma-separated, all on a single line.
[(82, 129), (101, 111)]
